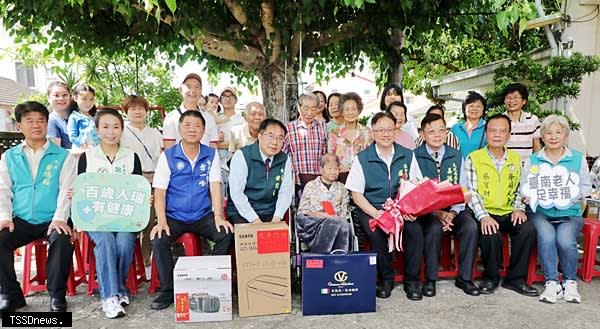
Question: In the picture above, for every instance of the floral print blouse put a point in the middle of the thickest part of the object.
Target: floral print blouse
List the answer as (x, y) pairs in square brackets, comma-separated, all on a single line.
[(315, 191), (346, 149)]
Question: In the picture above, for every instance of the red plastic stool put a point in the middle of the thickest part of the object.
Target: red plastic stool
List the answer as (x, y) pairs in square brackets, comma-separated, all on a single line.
[(134, 276), (448, 262), (192, 247), (591, 234), (38, 282)]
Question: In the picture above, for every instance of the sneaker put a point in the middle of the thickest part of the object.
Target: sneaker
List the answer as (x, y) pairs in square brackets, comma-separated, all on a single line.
[(124, 301), (571, 293), (552, 293), (112, 309)]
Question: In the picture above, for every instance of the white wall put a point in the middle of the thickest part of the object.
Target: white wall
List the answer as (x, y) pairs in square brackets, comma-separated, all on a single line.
[(586, 39)]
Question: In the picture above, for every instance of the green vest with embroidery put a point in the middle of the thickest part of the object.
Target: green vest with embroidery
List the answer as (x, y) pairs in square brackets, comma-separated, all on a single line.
[(497, 188), (34, 198)]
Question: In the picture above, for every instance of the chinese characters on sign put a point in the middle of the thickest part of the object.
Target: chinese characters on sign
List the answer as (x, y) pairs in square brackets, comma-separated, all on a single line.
[(111, 202), (550, 187)]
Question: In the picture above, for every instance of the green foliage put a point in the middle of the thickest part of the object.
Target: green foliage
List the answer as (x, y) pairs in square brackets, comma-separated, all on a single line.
[(493, 32), (38, 97), (559, 78)]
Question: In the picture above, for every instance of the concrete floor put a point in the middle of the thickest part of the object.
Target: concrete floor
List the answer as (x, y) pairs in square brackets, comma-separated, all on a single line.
[(451, 308)]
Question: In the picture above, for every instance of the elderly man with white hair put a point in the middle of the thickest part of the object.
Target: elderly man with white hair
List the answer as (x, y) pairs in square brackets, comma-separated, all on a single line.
[(247, 133), (554, 200)]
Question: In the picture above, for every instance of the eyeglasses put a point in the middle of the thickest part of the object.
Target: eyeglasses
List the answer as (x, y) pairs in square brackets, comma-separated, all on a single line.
[(384, 131), (510, 99), (270, 137), (227, 97)]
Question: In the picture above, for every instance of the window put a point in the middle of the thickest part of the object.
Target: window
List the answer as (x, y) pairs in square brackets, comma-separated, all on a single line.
[(25, 75)]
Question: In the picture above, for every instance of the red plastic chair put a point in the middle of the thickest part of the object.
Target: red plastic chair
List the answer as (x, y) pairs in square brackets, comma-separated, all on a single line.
[(192, 247), (38, 282), (135, 276), (591, 234)]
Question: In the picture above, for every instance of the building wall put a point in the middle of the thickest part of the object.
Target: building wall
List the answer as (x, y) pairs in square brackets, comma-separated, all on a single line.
[(586, 39)]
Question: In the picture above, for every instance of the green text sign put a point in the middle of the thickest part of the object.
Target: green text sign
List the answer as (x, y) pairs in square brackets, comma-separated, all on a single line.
[(110, 202)]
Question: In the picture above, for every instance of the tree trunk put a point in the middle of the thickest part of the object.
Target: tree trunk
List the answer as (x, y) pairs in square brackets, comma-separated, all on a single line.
[(395, 74), (272, 81)]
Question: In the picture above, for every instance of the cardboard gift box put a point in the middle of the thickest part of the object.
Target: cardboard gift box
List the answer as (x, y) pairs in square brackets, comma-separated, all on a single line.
[(202, 287), (338, 284), (263, 268)]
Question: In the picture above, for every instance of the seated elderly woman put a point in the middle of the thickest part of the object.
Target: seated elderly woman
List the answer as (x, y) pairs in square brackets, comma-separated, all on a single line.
[(553, 181), (323, 211)]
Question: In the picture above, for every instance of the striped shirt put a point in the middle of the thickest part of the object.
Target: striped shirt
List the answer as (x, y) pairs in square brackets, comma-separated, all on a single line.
[(522, 134), (305, 145)]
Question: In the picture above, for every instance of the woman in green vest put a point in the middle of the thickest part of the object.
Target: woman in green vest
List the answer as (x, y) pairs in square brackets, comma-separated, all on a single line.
[(553, 181)]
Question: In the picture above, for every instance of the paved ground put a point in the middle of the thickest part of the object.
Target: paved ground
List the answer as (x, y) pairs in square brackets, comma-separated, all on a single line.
[(450, 309)]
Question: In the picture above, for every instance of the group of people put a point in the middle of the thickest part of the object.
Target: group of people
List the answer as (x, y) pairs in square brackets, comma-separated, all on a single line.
[(325, 158)]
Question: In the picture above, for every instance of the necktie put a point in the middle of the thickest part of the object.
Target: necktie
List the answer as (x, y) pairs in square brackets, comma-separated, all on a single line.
[(437, 162), (268, 166)]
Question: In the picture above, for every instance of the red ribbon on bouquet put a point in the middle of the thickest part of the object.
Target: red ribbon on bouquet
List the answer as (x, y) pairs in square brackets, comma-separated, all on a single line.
[(424, 198)]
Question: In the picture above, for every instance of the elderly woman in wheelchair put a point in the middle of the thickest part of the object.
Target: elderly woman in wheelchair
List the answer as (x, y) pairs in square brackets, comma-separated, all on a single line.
[(323, 216)]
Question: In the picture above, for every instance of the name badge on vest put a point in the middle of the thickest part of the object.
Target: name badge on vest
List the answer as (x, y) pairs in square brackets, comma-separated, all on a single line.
[(180, 165), (550, 187)]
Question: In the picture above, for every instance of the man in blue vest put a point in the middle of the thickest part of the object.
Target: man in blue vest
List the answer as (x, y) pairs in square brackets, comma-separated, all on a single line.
[(187, 187), (261, 184), (34, 178), (439, 161)]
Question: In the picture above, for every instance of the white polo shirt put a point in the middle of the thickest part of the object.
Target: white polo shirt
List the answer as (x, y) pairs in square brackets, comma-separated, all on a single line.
[(171, 125)]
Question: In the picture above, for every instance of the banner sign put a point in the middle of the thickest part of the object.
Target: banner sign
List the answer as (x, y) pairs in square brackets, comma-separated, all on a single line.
[(550, 187), (110, 202)]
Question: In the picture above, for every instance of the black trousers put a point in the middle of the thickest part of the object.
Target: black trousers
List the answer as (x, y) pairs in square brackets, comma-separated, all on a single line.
[(58, 264), (163, 254), (378, 241), (522, 240), (422, 239), (466, 231)]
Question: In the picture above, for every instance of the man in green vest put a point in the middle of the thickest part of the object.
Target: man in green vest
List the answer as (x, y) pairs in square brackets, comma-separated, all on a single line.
[(493, 174), (34, 178), (261, 184)]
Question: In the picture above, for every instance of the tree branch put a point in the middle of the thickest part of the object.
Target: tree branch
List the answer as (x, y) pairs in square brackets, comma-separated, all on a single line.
[(295, 43), (334, 34), (239, 14), (273, 35), (215, 45)]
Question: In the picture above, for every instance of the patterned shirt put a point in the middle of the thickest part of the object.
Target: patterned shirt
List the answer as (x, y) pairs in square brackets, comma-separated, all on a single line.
[(346, 149), (315, 191), (522, 134), (305, 145), (595, 173), (476, 204)]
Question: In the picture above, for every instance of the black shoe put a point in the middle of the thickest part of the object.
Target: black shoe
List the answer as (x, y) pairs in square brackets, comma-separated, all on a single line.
[(467, 286), (487, 286), (385, 289), (413, 291), (521, 288), (164, 300), (58, 304), (428, 289), (11, 303)]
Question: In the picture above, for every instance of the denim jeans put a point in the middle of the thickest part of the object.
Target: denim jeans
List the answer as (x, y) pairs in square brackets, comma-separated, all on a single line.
[(557, 240), (114, 253)]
